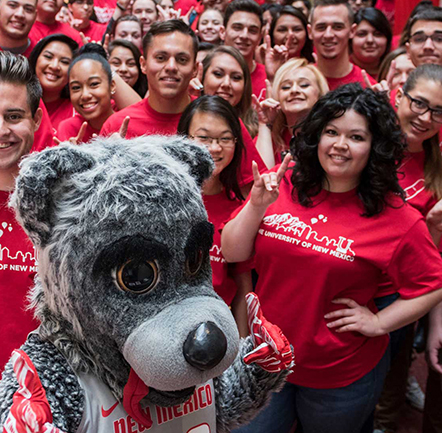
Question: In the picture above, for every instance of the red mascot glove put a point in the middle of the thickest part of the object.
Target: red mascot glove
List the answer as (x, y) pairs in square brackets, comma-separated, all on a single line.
[(272, 352), (30, 410)]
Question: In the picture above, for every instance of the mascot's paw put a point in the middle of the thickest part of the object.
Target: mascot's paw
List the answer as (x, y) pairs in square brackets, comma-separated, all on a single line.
[(30, 411), (272, 351)]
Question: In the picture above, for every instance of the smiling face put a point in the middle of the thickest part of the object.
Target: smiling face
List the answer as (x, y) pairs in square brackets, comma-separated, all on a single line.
[(17, 18), (52, 67), (90, 91), (343, 151), (17, 125), (298, 92), (146, 12), (129, 31), (289, 25), (169, 65), (330, 31), (243, 32), (123, 62), (419, 127), (209, 26), (209, 125), (224, 77), (427, 52), (368, 44)]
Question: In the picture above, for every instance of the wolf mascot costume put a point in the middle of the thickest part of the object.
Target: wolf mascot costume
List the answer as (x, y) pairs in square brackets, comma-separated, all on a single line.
[(133, 337)]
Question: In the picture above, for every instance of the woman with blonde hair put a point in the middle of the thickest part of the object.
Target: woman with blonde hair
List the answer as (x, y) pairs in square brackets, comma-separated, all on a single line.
[(296, 88)]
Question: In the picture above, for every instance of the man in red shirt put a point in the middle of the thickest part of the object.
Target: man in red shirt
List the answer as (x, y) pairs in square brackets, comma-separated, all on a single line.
[(330, 30), (242, 30), (16, 20), (169, 62), (20, 117), (46, 24)]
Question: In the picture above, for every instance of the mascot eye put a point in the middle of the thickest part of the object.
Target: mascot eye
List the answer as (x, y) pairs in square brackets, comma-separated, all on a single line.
[(137, 276), (194, 262)]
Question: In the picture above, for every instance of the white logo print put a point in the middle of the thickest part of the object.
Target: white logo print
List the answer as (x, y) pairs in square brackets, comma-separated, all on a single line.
[(306, 237)]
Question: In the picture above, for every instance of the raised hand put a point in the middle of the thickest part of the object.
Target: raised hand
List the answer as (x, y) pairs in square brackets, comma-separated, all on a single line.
[(268, 109), (378, 87), (265, 189), (355, 318), (78, 139), (195, 85), (275, 57), (272, 351)]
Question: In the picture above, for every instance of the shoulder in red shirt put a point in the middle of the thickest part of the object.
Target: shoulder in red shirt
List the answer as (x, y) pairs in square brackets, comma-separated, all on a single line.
[(58, 111), (94, 31), (70, 128), (44, 136), (355, 76), (40, 30)]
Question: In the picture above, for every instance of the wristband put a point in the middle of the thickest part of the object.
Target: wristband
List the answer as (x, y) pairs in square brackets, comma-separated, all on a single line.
[(122, 8)]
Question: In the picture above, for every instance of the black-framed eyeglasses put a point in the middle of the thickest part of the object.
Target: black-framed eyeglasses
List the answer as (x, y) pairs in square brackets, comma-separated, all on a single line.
[(420, 38), (420, 107), (207, 141)]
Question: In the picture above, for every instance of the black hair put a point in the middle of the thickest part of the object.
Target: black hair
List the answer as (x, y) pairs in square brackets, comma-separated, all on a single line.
[(141, 84), (379, 21), (321, 3), (169, 26), (123, 19), (206, 46), (15, 69), (41, 45), (91, 51), (378, 179), (307, 3), (432, 13), (307, 49), (242, 6), (219, 107)]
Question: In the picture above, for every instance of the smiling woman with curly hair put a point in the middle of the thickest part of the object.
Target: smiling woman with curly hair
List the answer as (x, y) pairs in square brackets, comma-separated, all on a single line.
[(322, 236)]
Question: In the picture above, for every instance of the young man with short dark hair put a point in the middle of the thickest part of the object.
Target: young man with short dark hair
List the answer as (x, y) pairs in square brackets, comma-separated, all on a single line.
[(330, 29), (169, 62), (242, 30), (20, 117)]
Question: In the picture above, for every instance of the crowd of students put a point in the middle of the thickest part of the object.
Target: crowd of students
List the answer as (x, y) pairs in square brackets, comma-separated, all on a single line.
[(326, 194)]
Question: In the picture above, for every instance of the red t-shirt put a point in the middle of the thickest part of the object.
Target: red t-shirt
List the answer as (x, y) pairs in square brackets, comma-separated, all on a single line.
[(104, 9), (40, 30), (219, 208), (58, 111), (18, 266), (144, 120), (94, 31), (258, 77), (412, 180), (44, 135), (307, 256), (355, 76), (70, 128)]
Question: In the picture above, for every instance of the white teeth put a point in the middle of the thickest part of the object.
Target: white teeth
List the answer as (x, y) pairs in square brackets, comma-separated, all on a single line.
[(5, 145), (338, 157), (88, 105)]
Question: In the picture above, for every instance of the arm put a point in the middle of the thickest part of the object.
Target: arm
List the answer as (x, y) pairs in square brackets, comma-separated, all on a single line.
[(239, 234), (434, 222), (434, 340), (239, 306), (124, 94), (401, 312)]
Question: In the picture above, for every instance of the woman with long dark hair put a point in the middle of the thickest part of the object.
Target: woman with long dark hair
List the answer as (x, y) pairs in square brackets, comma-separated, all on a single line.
[(212, 122), (322, 235)]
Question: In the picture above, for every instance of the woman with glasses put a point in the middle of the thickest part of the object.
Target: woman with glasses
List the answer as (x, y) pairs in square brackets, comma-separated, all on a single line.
[(419, 108), (212, 122), (82, 11), (322, 235)]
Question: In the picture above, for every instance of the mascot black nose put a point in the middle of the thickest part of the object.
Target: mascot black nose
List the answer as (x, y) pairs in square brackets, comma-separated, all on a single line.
[(205, 346)]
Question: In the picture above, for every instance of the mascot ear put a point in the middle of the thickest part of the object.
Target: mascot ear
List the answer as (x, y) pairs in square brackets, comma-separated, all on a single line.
[(197, 158), (33, 198)]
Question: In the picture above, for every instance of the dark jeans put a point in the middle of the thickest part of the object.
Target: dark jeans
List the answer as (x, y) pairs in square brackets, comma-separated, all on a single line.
[(338, 410)]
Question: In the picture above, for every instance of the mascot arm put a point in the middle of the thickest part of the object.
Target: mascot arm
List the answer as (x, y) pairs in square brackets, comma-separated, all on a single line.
[(39, 392), (261, 367)]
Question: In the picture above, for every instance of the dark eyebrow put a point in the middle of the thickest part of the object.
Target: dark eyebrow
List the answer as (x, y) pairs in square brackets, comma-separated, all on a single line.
[(422, 32), (421, 98), (16, 110)]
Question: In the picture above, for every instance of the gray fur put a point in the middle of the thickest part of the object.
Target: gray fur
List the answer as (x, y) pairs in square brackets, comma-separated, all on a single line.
[(91, 208)]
